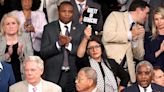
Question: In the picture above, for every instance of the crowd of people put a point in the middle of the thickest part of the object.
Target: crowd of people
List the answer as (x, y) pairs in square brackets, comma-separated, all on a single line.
[(82, 46)]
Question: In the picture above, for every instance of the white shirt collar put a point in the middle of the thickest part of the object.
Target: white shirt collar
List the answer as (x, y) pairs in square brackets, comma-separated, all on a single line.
[(148, 89), (130, 19), (38, 87), (95, 89), (1, 67), (62, 26), (77, 2)]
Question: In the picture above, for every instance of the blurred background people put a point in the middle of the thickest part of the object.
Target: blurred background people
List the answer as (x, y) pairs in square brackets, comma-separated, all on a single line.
[(144, 74), (158, 76), (154, 42), (86, 80), (32, 21), (33, 68), (15, 45), (8, 6), (123, 35), (50, 8), (107, 69), (59, 45), (6, 76)]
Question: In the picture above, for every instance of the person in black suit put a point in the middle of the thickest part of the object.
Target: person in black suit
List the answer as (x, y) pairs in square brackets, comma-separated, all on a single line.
[(144, 73), (79, 15), (105, 68), (56, 46)]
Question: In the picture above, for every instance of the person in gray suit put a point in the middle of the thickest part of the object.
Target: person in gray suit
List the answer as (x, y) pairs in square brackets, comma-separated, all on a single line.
[(56, 46), (33, 68), (86, 80)]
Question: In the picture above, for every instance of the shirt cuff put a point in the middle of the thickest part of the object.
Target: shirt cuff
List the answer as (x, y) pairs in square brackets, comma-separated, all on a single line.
[(58, 46), (129, 36), (69, 47)]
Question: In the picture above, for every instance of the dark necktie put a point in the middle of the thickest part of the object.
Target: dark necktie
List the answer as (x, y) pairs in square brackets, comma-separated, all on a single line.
[(81, 9), (133, 23), (144, 89), (65, 65)]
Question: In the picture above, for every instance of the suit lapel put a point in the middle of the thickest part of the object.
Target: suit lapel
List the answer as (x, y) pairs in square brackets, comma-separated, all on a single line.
[(126, 22), (25, 87), (73, 30)]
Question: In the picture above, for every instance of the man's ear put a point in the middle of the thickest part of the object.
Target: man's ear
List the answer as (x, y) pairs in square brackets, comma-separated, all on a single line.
[(90, 82)]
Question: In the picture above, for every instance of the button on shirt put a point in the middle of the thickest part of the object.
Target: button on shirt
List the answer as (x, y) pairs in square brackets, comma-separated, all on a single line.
[(38, 87), (148, 89)]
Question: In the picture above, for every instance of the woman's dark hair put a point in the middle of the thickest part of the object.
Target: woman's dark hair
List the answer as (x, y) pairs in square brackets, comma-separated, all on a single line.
[(35, 5), (97, 38)]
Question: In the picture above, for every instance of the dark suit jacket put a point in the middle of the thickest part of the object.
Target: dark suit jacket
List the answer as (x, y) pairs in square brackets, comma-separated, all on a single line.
[(111, 64), (76, 15), (52, 56), (135, 88), (6, 77)]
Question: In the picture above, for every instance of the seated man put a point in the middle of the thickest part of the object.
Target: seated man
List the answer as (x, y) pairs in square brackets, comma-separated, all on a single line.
[(86, 80), (33, 69), (144, 74), (158, 76)]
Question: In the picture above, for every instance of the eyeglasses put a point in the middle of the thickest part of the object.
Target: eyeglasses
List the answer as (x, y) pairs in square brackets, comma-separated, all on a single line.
[(94, 47)]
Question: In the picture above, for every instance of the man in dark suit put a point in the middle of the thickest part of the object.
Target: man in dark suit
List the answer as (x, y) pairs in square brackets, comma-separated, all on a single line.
[(79, 15), (144, 73), (57, 46)]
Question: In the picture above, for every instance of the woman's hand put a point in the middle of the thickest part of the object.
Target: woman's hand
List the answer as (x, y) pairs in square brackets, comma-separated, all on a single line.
[(20, 49)]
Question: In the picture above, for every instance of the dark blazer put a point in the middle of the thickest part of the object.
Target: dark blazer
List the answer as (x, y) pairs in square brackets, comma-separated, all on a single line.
[(151, 46), (52, 56), (76, 15), (6, 77), (135, 88), (111, 64)]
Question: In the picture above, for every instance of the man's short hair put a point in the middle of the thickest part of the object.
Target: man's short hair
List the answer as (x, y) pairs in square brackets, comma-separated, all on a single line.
[(90, 73), (149, 65), (36, 59), (138, 4), (64, 3)]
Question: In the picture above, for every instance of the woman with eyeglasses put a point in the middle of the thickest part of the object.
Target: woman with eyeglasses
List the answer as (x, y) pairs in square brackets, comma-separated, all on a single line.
[(91, 53)]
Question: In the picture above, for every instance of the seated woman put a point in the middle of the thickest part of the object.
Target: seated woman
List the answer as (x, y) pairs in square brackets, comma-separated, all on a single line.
[(14, 44), (107, 69), (32, 21), (6, 76), (154, 44)]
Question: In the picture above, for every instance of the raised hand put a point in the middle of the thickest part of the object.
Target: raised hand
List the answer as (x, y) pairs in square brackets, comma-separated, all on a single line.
[(88, 31), (10, 52)]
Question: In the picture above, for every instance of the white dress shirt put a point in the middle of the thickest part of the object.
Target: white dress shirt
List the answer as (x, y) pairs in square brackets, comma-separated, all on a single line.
[(148, 89), (38, 87), (63, 30), (83, 3), (1, 67)]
